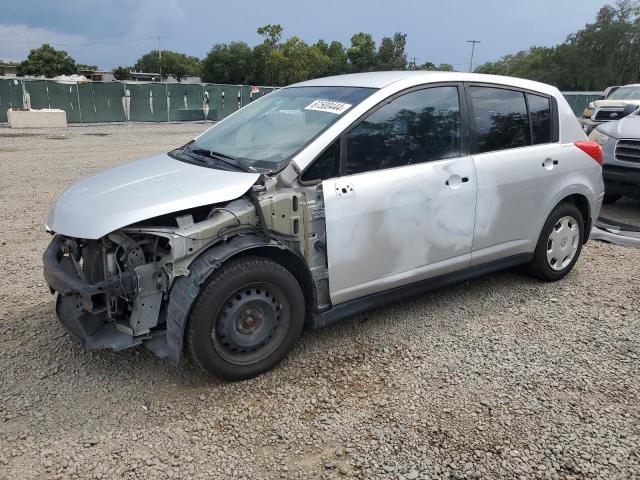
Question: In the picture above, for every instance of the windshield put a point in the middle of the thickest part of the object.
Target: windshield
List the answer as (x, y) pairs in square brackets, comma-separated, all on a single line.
[(626, 93), (268, 132)]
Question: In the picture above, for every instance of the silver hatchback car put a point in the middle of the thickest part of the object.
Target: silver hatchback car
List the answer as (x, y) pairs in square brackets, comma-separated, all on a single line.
[(319, 201)]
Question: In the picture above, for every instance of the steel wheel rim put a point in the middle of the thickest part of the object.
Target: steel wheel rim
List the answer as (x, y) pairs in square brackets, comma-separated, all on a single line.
[(563, 243), (251, 323)]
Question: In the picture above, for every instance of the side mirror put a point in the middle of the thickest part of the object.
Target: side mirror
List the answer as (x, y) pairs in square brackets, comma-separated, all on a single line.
[(629, 108), (601, 97)]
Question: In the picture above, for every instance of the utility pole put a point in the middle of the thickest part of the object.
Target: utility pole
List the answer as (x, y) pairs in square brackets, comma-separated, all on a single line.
[(413, 64), (160, 57), (473, 49)]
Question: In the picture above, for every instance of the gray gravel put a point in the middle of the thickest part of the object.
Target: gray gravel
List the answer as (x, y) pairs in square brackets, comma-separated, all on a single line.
[(501, 377)]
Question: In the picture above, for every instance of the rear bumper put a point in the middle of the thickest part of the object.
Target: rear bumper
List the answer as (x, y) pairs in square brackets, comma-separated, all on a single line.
[(621, 180)]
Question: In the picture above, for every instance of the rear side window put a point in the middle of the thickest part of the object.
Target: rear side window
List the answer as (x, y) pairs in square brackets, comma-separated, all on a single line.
[(418, 127), (501, 118), (540, 114)]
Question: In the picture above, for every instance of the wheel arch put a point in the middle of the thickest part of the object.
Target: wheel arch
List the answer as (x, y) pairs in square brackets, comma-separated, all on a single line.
[(186, 289), (582, 203)]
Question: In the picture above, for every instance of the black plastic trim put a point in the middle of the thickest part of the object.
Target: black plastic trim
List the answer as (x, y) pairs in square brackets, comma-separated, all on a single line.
[(363, 304)]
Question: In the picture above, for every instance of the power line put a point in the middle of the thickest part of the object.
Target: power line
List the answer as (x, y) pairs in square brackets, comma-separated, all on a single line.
[(102, 42)]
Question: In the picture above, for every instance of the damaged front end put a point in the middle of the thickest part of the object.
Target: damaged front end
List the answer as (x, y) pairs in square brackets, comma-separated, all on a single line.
[(110, 290), (136, 285)]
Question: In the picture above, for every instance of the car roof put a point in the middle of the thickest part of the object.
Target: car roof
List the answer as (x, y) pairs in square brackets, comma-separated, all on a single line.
[(417, 77)]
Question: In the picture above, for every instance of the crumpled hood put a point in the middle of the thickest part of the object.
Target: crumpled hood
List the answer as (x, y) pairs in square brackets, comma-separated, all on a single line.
[(135, 191), (628, 127)]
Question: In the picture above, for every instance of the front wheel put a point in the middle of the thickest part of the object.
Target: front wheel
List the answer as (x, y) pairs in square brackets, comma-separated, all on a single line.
[(246, 319), (559, 245)]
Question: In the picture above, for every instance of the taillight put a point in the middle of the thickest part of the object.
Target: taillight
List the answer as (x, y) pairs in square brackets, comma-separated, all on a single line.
[(593, 149)]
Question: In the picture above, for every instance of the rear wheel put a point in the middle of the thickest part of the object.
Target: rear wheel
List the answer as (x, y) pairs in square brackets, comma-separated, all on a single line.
[(246, 319), (560, 243)]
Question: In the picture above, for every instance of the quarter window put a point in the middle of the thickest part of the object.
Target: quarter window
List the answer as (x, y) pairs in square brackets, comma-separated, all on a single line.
[(540, 113), (501, 118), (421, 126), (325, 166)]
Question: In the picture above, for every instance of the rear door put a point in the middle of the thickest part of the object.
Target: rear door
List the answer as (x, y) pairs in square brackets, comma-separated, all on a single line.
[(404, 208), (518, 163)]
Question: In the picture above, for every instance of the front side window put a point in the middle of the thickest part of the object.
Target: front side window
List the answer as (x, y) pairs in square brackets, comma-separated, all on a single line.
[(540, 113), (501, 118), (418, 127), (265, 134)]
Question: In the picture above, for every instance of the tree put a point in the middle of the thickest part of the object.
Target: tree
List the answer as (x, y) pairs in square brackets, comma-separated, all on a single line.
[(362, 53), (272, 34), (430, 66), (602, 53), (176, 64), (48, 62), (228, 63), (337, 57), (391, 54), (121, 73)]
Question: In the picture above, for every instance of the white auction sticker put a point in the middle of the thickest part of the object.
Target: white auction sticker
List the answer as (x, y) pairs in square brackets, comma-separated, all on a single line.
[(328, 106)]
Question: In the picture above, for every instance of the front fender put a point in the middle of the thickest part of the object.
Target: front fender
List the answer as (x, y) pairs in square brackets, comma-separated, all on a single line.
[(185, 289)]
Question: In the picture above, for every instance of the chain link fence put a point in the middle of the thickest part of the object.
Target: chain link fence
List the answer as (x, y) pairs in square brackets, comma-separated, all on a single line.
[(93, 102)]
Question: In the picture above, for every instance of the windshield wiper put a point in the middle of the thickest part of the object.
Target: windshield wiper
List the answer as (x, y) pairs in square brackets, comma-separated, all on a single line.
[(236, 163)]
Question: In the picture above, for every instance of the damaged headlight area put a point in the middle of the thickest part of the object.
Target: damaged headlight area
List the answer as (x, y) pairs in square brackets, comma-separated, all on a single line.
[(111, 289)]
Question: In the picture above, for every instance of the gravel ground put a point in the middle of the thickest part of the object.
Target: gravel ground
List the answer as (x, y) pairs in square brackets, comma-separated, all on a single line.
[(501, 377)]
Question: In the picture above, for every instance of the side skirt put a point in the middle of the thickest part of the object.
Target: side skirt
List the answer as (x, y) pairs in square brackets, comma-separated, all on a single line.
[(369, 302)]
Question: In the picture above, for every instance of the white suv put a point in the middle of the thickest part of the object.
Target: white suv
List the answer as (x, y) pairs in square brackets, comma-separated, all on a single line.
[(319, 201)]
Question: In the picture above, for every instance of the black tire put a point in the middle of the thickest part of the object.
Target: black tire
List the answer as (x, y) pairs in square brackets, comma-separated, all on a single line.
[(540, 265), (610, 198), (246, 318)]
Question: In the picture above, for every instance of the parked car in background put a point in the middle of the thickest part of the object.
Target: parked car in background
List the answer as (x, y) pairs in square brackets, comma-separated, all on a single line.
[(620, 143), (319, 201), (617, 103)]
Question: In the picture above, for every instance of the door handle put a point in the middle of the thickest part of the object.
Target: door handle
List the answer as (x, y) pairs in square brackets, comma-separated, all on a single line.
[(455, 181), (549, 163)]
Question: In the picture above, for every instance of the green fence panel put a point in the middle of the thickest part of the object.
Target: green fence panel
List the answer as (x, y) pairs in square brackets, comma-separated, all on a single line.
[(87, 105), (251, 93), (224, 99), (137, 102), (10, 96), (107, 102), (65, 97), (185, 102), (38, 93), (212, 93), (578, 101), (148, 102)]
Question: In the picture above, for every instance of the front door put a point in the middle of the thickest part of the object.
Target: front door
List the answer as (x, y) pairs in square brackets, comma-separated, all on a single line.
[(404, 208)]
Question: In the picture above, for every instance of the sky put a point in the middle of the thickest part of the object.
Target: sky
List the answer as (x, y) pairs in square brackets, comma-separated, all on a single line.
[(437, 31)]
